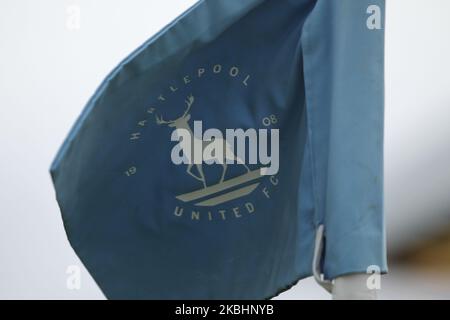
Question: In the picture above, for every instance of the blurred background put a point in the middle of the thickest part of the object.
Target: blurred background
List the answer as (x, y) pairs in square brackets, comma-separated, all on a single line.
[(54, 54)]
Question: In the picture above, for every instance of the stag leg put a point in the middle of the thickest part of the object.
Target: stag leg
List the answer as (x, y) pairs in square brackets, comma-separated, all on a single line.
[(239, 160), (202, 175), (201, 178), (225, 166)]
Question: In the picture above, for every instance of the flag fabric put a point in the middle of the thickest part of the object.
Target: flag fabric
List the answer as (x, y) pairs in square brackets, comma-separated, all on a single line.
[(147, 227)]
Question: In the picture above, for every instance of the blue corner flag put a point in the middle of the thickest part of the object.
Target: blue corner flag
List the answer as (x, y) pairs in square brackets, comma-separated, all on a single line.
[(206, 161)]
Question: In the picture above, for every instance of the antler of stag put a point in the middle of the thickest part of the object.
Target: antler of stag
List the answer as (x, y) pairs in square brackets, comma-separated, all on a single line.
[(160, 120), (189, 102)]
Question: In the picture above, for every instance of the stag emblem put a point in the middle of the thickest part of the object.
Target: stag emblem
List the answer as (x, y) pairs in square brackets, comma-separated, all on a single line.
[(182, 123)]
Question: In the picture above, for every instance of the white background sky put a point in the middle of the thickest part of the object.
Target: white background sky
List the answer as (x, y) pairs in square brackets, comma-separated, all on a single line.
[(48, 72)]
